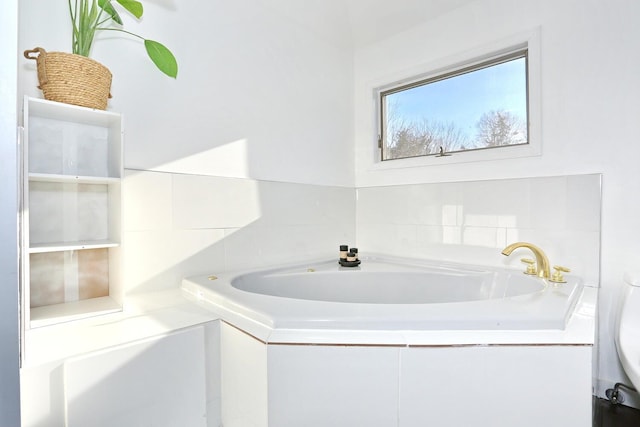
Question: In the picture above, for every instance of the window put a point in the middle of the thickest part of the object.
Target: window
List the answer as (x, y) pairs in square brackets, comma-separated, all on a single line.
[(475, 107)]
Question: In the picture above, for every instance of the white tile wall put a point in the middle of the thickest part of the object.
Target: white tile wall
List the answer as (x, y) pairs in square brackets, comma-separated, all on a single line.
[(178, 225), (147, 201), (159, 259), (473, 221), (201, 202)]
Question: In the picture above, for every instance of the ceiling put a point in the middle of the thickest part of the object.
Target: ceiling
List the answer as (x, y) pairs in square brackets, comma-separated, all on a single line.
[(361, 22), (374, 20)]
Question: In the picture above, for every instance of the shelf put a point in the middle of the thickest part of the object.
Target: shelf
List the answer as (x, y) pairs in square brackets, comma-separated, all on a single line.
[(72, 179), (68, 140), (73, 212), (72, 113), (70, 212), (75, 310), (71, 246)]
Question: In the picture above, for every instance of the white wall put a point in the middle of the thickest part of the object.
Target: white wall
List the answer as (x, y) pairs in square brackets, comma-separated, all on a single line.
[(589, 111), (264, 88), (9, 380)]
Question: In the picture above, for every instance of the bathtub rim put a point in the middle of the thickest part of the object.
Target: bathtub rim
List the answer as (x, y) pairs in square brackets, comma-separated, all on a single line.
[(579, 325)]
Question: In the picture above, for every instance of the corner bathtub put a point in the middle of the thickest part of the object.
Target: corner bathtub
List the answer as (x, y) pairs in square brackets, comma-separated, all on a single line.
[(400, 343), (382, 297)]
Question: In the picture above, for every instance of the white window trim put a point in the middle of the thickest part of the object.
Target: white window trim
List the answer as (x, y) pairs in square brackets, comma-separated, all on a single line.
[(530, 40)]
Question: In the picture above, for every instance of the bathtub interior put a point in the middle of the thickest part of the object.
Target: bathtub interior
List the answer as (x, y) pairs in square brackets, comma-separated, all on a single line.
[(385, 282)]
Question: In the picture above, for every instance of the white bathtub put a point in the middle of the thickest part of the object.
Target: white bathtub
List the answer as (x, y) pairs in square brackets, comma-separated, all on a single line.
[(401, 342), (388, 294)]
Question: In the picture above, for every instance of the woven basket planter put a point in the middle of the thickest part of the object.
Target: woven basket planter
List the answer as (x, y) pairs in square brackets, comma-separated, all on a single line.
[(72, 79)]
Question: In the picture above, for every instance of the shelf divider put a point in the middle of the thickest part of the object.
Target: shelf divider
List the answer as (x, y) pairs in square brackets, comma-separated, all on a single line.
[(36, 248)]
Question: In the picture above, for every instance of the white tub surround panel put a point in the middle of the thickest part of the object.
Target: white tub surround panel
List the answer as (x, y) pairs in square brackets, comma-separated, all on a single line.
[(131, 350), (315, 386), (160, 382), (473, 221), (179, 225), (244, 379), (344, 385), (320, 386), (496, 386), (125, 351)]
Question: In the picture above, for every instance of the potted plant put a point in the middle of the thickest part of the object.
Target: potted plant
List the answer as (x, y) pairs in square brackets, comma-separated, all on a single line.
[(76, 79)]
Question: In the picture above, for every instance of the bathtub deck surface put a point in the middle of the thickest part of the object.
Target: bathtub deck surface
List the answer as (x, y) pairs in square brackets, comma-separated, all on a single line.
[(281, 320)]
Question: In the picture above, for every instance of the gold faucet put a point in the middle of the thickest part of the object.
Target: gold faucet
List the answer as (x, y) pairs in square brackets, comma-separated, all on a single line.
[(542, 262)]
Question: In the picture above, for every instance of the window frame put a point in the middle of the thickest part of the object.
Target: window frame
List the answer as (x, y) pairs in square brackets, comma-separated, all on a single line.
[(529, 41), (520, 53)]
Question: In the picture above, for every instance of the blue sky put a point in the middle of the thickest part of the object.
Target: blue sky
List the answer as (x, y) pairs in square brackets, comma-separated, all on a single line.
[(463, 99)]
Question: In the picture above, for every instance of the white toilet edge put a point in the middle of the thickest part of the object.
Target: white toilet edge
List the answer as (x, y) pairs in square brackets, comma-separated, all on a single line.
[(632, 278), (629, 356), (626, 338)]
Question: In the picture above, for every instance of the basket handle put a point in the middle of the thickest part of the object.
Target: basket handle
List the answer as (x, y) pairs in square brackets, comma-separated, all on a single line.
[(40, 58)]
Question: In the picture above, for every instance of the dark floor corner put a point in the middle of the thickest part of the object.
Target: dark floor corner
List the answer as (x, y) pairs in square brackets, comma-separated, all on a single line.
[(605, 414)]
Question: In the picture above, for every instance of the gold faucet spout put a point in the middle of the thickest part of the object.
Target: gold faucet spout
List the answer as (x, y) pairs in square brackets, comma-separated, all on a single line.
[(542, 262)]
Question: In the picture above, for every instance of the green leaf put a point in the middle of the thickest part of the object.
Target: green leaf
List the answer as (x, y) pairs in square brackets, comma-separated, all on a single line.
[(93, 13), (162, 57), (108, 8), (133, 6)]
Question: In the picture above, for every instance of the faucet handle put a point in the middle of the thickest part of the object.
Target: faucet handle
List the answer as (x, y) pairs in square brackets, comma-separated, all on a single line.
[(531, 268), (557, 276)]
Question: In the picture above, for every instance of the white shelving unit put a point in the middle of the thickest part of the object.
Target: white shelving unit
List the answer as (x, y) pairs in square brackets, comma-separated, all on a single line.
[(71, 212)]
